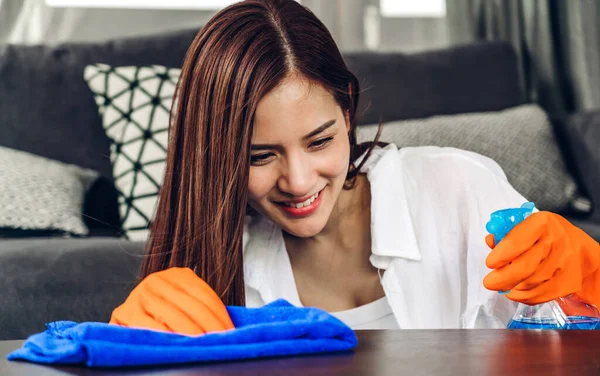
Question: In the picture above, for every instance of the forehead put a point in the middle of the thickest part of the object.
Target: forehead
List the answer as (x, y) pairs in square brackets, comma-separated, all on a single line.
[(295, 106)]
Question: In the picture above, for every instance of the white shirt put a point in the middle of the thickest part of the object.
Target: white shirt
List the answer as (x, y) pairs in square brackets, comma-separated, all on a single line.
[(375, 315), (429, 207)]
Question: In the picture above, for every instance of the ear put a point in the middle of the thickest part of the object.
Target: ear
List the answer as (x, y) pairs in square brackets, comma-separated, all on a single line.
[(347, 113), (347, 120)]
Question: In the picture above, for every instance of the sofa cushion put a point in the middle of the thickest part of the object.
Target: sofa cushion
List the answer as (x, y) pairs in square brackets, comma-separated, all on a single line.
[(49, 279), (134, 103), (40, 194), (520, 140)]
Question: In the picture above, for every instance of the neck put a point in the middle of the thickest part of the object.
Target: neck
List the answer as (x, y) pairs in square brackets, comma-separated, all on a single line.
[(332, 270)]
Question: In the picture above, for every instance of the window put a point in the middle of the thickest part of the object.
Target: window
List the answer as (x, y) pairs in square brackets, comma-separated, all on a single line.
[(144, 4), (413, 8)]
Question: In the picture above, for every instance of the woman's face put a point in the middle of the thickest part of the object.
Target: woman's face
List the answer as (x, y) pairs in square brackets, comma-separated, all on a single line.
[(299, 158)]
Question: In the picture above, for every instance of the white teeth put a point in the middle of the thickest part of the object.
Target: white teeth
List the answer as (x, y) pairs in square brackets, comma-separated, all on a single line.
[(303, 204)]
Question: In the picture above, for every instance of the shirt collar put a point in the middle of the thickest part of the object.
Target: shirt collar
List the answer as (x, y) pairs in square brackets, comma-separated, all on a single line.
[(392, 230)]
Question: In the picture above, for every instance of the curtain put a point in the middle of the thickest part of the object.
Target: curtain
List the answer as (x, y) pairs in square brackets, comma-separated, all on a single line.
[(556, 41)]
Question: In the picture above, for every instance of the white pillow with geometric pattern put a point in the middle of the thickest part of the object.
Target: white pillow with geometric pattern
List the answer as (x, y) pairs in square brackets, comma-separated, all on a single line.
[(134, 103)]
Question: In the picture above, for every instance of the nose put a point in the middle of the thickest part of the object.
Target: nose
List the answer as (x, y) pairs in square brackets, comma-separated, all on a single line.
[(297, 177)]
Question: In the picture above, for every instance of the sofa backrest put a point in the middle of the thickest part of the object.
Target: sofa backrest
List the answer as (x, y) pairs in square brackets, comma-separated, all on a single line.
[(46, 107), (469, 78)]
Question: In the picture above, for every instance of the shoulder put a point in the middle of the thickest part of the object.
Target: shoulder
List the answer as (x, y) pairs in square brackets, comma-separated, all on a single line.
[(432, 161), (449, 159), (438, 185)]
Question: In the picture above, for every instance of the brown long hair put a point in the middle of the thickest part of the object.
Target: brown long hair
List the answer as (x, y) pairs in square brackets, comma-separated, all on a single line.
[(240, 55)]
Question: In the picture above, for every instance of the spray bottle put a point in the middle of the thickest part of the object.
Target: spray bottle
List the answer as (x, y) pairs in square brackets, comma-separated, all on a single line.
[(567, 313)]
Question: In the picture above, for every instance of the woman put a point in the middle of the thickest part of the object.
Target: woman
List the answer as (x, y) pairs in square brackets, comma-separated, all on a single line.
[(267, 194)]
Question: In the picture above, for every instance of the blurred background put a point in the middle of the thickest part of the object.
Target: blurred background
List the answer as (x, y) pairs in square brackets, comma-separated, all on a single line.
[(557, 40), (355, 24)]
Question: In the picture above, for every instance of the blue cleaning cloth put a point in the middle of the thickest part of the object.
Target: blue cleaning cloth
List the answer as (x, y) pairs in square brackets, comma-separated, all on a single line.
[(277, 329)]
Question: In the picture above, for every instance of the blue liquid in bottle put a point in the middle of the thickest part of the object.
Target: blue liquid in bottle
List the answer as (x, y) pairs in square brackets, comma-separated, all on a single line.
[(572, 323)]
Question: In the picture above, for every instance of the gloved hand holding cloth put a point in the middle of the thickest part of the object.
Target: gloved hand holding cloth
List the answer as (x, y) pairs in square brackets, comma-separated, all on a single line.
[(173, 316), (174, 300), (543, 258)]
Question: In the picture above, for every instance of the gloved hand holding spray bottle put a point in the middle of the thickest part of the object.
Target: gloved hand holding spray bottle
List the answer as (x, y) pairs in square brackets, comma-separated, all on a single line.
[(567, 312)]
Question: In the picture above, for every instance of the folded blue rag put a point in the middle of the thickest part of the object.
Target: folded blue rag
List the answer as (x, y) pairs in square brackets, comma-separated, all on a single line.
[(277, 329)]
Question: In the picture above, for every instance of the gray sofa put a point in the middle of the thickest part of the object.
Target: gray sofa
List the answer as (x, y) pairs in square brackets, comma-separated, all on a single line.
[(46, 109)]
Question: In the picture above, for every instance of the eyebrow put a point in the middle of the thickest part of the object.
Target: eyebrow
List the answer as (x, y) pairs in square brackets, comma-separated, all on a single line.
[(313, 133)]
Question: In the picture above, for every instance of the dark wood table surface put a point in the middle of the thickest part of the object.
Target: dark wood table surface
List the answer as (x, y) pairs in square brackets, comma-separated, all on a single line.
[(403, 352)]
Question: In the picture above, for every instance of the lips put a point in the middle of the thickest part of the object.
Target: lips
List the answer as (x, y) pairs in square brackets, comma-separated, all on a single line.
[(301, 204), (303, 208)]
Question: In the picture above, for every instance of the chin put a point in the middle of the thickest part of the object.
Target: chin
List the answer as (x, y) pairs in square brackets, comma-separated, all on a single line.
[(304, 231), (306, 227)]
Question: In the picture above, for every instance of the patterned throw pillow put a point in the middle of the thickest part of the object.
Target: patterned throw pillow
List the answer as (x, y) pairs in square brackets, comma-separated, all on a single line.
[(134, 103), (40, 195), (519, 139)]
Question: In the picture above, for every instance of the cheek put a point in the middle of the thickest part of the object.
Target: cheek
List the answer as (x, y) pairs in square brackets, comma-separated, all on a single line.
[(337, 161), (260, 183)]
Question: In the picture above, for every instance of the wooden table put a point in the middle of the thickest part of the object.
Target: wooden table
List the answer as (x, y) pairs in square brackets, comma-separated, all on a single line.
[(408, 352)]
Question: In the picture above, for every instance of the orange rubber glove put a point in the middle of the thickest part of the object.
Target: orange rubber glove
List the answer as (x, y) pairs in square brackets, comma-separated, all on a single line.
[(174, 300), (543, 258)]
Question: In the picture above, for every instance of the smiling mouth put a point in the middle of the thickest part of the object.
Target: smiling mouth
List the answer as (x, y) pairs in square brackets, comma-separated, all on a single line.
[(300, 205), (303, 208)]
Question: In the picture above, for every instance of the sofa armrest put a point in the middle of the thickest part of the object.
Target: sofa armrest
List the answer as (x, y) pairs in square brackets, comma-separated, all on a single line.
[(581, 137), (49, 279)]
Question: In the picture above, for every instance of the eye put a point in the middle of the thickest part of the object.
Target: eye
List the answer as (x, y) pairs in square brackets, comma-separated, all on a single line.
[(321, 143), (260, 159)]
